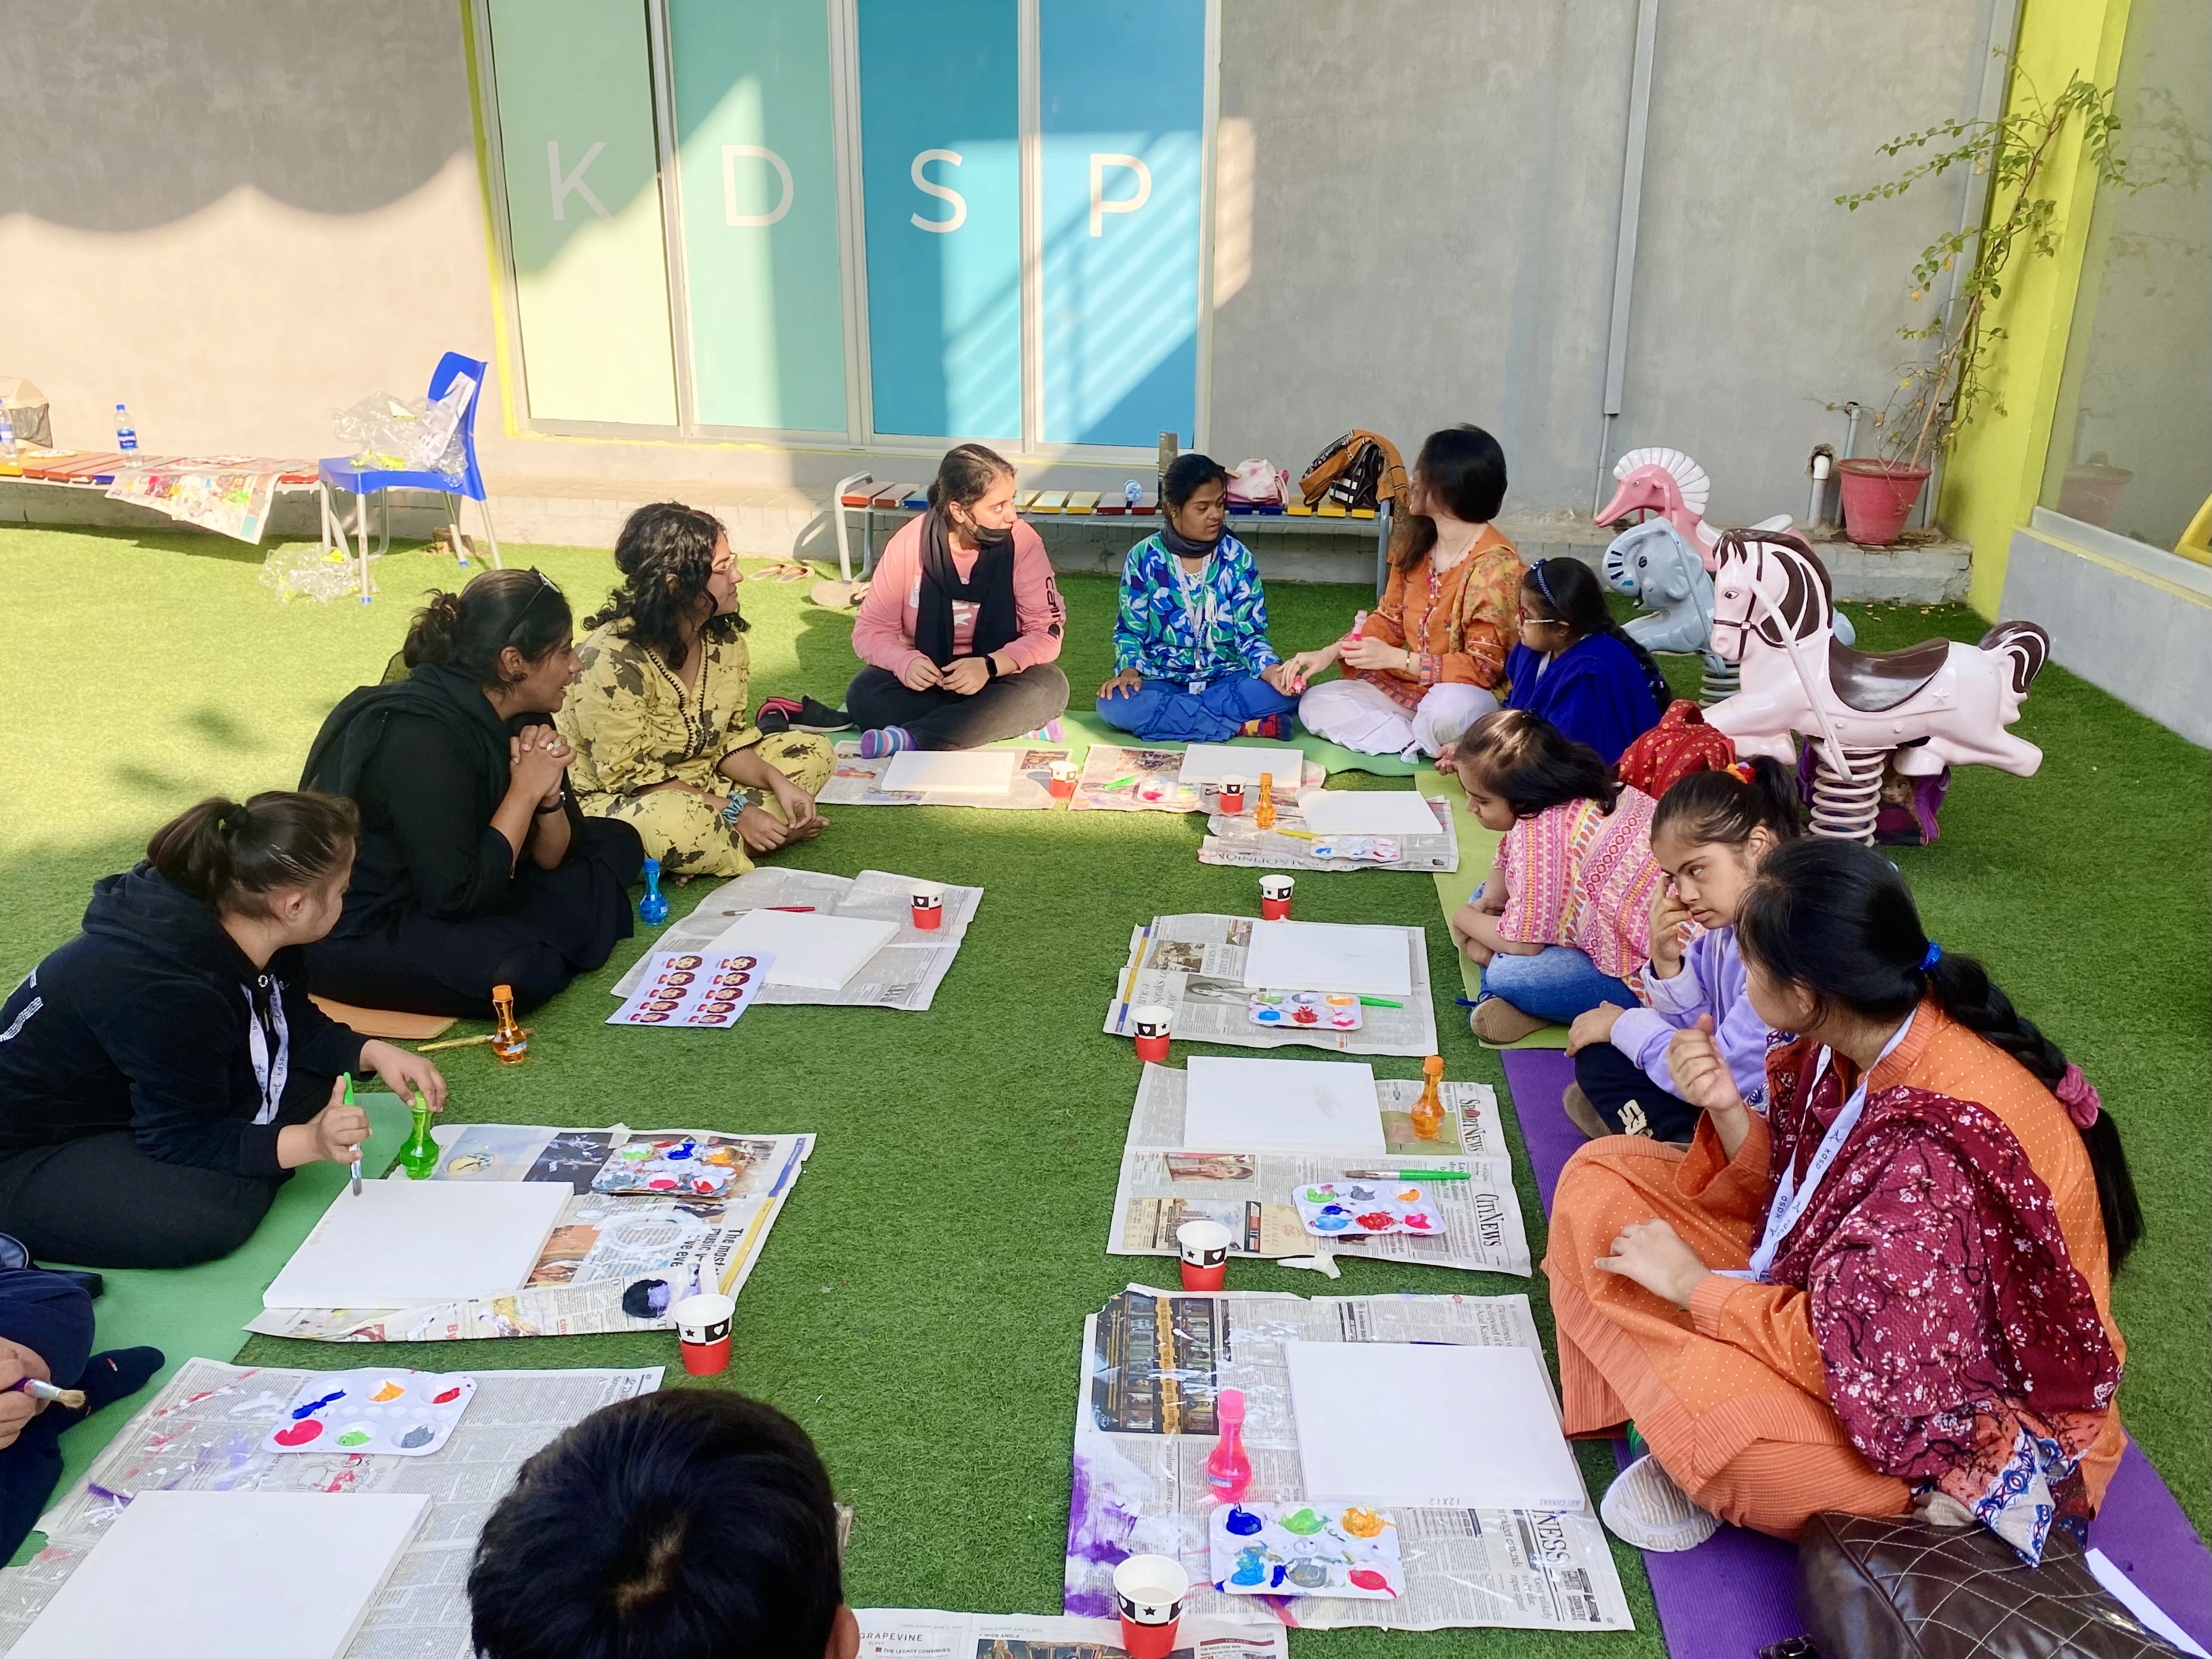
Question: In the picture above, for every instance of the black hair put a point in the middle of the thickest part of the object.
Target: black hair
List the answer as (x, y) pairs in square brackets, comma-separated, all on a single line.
[(1530, 764), (230, 855), (1836, 919), (1186, 473), (469, 629), (690, 1523), (1725, 806), (666, 554), (966, 474), (1463, 467), (1568, 591)]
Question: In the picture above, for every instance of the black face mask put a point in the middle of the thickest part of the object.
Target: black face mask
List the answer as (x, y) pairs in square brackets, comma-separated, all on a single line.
[(983, 536)]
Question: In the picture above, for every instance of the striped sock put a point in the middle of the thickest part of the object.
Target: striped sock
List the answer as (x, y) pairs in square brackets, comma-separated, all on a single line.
[(1051, 731), (884, 740)]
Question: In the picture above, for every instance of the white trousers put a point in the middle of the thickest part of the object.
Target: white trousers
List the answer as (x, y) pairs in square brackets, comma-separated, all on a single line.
[(1365, 717)]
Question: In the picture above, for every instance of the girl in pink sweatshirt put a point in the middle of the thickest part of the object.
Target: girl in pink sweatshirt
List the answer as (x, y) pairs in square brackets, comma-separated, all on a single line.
[(962, 621)]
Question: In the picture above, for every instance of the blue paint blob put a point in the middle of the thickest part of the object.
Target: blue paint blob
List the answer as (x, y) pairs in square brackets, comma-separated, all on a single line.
[(1242, 1523), (1251, 1567), (1277, 1582), (301, 1413)]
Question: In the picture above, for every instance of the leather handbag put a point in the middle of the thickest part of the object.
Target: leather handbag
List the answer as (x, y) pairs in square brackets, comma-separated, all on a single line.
[(1897, 1587)]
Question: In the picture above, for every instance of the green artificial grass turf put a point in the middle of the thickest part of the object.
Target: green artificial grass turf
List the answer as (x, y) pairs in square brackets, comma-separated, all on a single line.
[(919, 1305)]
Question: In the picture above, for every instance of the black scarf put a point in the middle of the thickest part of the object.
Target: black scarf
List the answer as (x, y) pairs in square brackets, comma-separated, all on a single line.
[(1181, 545), (989, 587), (350, 735)]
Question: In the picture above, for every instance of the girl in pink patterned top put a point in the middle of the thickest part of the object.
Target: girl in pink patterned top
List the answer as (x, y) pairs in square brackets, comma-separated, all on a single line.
[(1563, 923)]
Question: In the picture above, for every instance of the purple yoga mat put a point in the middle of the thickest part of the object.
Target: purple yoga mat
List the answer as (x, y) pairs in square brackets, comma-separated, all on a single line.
[(1733, 1593)]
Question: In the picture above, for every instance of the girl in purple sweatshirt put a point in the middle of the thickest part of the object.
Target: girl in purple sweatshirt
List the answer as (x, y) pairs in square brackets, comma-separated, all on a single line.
[(1709, 832)]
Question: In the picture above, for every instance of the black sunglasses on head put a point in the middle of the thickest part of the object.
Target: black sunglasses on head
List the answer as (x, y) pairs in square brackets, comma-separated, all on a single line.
[(545, 585)]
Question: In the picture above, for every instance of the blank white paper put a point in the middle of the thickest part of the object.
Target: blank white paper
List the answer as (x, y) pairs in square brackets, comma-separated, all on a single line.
[(401, 1243), (954, 772), (812, 952), (229, 1575), (1269, 1105), (1210, 762), (1320, 955), (1438, 1424), (1367, 812)]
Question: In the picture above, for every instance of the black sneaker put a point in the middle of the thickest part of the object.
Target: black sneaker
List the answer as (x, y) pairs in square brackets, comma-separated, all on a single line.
[(801, 714)]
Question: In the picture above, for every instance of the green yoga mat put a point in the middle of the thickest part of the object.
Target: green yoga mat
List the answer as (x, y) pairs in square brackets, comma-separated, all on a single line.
[(1333, 758), (202, 1311), (1478, 850)]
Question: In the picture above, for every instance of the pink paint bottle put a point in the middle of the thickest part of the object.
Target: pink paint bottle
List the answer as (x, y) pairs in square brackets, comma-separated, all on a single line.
[(1358, 622), (1228, 1468)]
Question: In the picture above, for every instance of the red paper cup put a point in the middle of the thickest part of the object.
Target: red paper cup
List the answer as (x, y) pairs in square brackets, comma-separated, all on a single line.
[(1204, 1248), (1064, 776), (1275, 897), (702, 1327), (1148, 1594), (1149, 1026), (1231, 797), (929, 908)]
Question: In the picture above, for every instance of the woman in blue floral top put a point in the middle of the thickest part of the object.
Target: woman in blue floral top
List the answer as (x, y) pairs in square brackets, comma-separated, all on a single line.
[(1191, 658)]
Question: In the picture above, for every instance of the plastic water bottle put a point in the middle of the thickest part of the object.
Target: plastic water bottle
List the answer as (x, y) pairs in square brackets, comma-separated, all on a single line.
[(653, 908), (1132, 492), (127, 437)]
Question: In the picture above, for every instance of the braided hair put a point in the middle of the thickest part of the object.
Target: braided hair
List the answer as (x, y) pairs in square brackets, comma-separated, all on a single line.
[(1567, 590), (1836, 920)]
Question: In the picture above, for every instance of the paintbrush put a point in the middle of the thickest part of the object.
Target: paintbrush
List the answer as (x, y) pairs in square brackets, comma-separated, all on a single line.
[(72, 1398), (456, 1043), (356, 1149)]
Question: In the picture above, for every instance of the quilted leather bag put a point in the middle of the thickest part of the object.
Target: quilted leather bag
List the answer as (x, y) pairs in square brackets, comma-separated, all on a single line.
[(1897, 1587)]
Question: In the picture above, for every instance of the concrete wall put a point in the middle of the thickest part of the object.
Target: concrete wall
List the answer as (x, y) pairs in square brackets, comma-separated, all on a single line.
[(238, 219)]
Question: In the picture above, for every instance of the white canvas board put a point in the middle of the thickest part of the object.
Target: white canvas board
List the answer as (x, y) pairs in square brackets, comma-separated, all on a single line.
[(402, 1243), (1367, 812), (1236, 1105), (812, 952), (1210, 762), (1440, 1424), (229, 1575), (956, 771), (1321, 955)]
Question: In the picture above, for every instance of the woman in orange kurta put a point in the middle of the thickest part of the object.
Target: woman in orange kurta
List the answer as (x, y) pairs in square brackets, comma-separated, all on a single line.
[(1930, 1320), (1430, 660)]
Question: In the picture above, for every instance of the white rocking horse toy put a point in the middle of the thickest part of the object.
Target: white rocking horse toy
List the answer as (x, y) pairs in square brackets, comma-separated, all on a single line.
[(1939, 703)]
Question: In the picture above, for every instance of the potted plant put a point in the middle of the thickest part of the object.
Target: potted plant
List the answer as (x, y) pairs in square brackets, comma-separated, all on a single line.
[(1937, 395)]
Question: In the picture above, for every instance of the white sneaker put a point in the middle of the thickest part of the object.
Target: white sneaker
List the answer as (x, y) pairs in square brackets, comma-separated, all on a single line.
[(1646, 1508)]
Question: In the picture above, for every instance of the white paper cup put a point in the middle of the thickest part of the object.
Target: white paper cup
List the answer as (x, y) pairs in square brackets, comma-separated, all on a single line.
[(1152, 1020), (1275, 887)]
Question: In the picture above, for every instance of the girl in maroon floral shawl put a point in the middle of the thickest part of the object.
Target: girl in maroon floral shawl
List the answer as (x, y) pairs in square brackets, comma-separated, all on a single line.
[(1942, 1242)]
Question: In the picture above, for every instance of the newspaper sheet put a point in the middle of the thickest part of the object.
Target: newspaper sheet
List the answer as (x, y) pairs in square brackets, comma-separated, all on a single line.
[(854, 783), (917, 1633), (1153, 1363), (1116, 779), (202, 1432), (227, 494), (1164, 1183), (1194, 964), (1235, 839), (903, 975), (603, 1242)]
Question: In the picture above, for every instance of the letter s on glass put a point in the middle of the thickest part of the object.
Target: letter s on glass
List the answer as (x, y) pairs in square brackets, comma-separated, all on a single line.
[(943, 193)]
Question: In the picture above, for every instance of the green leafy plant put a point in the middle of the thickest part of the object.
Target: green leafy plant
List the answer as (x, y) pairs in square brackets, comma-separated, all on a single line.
[(1939, 394)]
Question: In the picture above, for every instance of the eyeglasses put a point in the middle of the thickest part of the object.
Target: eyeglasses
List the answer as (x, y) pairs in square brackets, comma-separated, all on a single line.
[(1531, 621), (545, 585)]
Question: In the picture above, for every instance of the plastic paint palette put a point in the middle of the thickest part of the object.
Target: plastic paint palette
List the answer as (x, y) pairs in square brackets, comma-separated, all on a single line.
[(670, 1166), (1365, 849), (1306, 1549), (1338, 1209), (374, 1413), (1311, 1010)]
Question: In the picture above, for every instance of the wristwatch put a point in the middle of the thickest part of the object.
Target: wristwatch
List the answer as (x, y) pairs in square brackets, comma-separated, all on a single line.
[(990, 666)]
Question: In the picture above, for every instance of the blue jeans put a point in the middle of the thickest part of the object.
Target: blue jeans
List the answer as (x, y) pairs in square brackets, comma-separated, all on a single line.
[(1557, 983), (1170, 711)]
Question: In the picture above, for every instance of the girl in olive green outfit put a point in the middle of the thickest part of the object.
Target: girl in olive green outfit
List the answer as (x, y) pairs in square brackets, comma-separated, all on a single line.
[(659, 715)]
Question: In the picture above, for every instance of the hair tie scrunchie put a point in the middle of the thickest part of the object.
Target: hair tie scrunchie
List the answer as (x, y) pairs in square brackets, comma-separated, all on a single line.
[(1931, 956), (2079, 1096), (230, 820), (1741, 772)]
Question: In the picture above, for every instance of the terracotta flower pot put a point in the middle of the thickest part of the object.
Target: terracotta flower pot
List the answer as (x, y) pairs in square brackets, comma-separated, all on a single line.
[(2091, 492), (1878, 498)]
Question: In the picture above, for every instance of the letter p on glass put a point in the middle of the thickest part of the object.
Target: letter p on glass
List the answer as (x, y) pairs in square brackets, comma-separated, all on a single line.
[(1100, 205)]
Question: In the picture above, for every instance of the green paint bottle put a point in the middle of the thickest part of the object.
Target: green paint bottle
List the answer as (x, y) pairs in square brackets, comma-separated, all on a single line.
[(419, 1157)]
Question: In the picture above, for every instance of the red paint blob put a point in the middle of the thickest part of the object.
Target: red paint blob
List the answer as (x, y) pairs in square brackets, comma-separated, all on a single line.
[(298, 1434), (448, 1397), (1367, 1578), (1375, 1220)]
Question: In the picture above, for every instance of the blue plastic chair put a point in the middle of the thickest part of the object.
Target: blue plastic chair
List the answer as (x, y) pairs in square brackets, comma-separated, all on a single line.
[(338, 472)]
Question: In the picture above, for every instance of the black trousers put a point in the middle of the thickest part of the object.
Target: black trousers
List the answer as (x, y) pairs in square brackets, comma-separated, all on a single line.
[(100, 1202), (556, 924), (1006, 707), (1629, 1101)]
